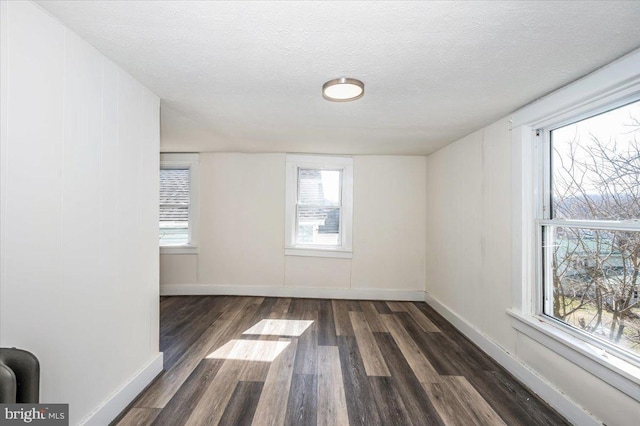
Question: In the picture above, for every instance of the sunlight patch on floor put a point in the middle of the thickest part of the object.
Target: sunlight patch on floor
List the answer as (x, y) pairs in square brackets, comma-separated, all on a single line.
[(250, 350), (279, 327)]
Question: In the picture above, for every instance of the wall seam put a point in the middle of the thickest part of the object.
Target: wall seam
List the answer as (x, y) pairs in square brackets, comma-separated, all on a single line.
[(4, 174), (61, 165)]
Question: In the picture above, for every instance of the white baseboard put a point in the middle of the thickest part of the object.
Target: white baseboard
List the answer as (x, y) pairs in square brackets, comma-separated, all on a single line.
[(310, 292), (555, 398), (115, 404)]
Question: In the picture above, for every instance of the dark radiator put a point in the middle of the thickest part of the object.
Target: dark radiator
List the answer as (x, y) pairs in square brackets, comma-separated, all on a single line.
[(19, 376)]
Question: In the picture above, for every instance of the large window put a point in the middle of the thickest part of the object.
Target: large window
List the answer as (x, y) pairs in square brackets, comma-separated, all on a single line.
[(590, 230), (319, 198), (576, 223), (178, 202)]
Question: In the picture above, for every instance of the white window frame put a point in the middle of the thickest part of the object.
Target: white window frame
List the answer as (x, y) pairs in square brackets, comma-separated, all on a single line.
[(612, 86), (192, 162), (345, 164)]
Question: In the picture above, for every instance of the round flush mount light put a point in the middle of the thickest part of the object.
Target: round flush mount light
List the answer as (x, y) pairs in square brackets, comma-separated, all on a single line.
[(343, 89)]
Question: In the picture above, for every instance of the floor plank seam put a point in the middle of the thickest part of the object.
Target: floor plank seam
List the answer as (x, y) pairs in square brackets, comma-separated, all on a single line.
[(277, 361)]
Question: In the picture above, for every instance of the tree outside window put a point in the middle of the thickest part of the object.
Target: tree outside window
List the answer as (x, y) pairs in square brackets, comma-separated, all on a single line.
[(593, 280)]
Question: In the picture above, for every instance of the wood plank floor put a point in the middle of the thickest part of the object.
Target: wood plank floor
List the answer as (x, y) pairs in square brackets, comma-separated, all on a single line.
[(271, 361)]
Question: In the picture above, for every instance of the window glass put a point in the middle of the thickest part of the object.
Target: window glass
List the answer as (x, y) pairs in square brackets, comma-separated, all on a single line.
[(594, 282), (596, 167), (174, 206), (318, 187), (318, 211), (591, 258)]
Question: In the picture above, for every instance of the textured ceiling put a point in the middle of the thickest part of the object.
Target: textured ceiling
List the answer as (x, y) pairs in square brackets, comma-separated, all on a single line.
[(246, 76)]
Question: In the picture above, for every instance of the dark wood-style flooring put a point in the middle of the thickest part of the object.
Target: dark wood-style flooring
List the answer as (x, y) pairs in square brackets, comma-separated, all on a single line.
[(274, 361)]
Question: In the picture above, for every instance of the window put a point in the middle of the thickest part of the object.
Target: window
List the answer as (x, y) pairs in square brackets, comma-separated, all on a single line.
[(174, 206), (319, 200), (591, 227), (574, 181), (178, 203)]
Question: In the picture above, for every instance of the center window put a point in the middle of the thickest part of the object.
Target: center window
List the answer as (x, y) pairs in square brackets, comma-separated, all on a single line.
[(319, 207), (319, 200)]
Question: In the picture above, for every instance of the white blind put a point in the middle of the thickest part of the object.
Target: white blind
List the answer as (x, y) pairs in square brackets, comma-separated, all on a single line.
[(174, 205)]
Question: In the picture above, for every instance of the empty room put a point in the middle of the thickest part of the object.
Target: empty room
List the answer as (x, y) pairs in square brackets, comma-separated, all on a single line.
[(319, 213)]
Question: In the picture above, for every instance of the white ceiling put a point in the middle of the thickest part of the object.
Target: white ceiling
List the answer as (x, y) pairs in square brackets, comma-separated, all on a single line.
[(247, 76)]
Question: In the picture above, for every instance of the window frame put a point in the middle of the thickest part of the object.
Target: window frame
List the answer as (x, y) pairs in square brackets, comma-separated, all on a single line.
[(544, 221), (192, 162), (294, 162), (613, 85)]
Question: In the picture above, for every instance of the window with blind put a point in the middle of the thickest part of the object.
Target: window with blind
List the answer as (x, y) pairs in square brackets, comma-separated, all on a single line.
[(174, 206), (319, 206), (178, 202)]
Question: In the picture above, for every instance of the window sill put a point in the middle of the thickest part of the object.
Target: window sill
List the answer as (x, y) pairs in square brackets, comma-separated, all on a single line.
[(309, 252), (615, 371), (178, 250)]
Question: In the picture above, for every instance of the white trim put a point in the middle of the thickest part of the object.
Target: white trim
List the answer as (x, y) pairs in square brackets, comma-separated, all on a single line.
[(524, 193), (606, 366), (305, 292), (293, 162), (615, 82), (179, 158), (301, 251), (119, 400), (178, 250), (322, 161), (554, 397), (625, 225)]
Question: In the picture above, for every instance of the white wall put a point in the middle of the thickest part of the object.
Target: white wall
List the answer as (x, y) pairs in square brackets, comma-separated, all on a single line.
[(241, 216), (469, 262), (242, 233), (79, 196), (468, 228)]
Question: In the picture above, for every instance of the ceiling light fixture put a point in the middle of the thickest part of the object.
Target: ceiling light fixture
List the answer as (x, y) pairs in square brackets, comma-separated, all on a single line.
[(343, 89)]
